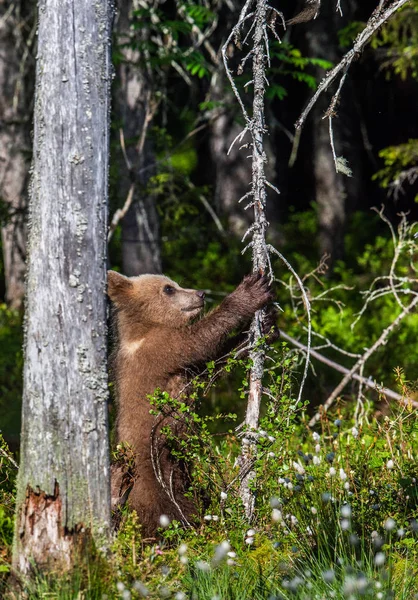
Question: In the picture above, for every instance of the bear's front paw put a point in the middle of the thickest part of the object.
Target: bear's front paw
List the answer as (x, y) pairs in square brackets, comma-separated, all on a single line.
[(254, 292)]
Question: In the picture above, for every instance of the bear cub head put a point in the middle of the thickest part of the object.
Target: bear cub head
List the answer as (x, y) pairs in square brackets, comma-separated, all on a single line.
[(153, 300)]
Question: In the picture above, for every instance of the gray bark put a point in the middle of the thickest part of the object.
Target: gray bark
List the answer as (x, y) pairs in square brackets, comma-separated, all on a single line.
[(63, 487), (16, 74), (134, 107)]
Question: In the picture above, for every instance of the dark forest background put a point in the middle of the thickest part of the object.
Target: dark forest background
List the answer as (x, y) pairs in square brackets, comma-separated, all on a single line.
[(174, 117)]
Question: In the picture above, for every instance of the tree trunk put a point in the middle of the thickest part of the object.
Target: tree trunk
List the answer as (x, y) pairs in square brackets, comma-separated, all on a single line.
[(322, 42), (232, 172), (135, 106), (63, 491), (17, 24)]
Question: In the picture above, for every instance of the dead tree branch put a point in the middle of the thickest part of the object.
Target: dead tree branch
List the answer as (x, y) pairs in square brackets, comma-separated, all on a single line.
[(363, 359), (378, 18), (337, 367)]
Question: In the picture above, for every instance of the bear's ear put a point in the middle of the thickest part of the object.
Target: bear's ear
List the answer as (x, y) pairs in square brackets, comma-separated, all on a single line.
[(118, 286)]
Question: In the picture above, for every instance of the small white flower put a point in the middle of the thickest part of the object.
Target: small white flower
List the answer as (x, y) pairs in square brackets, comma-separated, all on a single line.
[(202, 566), (182, 549), (221, 551), (215, 518), (207, 517), (400, 533), (389, 524), (343, 475), (345, 524), (316, 436), (346, 511), (317, 448), (276, 515), (184, 560), (314, 511), (249, 540), (224, 495), (293, 520), (332, 472), (354, 432), (232, 554), (120, 586), (141, 589), (390, 464), (281, 480), (379, 559), (262, 433), (328, 576), (230, 562), (379, 595), (347, 485), (272, 439), (164, 521), (180, 596), (126, 595), (274, 502), (251, 533), (309, 530), (290, 486), (298, 467), (316, 460), (271, 455)]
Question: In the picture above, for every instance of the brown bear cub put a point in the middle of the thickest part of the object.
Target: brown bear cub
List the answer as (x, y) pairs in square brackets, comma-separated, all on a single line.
[(159, 344)]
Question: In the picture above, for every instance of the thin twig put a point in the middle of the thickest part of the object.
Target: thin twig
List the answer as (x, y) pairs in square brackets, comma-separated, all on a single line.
[(363, 359), (337, 367), (377, 19)]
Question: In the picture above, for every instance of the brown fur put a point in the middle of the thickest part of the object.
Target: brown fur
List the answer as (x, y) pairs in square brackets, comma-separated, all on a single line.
[(158, 343)]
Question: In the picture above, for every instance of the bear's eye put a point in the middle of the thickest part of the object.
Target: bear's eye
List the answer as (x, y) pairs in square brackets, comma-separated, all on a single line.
[(169, 290)]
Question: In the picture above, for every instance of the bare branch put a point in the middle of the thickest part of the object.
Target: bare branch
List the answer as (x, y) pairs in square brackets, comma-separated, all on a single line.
[(121, 212), (361, 361), (363, 380), (377, 19)]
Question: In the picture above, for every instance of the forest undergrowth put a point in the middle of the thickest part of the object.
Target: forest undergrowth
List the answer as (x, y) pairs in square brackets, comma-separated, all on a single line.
[(336, 517), (336, 504)]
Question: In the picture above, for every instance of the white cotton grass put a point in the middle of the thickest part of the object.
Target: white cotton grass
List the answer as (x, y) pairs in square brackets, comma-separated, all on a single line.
[(202, 566), (221, 552), (299, 468), (164, 521), (249, 537), (390, 464), (343, 475), (389, 524), (142, 590), (211, 518), (276, 515), (182, 549), (224, 495)]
